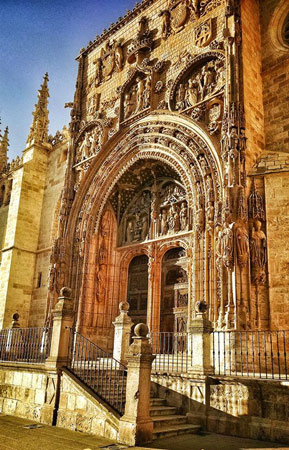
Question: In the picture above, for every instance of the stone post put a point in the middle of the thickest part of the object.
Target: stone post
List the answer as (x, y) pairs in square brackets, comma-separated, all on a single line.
[(200, 343), (136, 426), (122, 330), (63, 316)]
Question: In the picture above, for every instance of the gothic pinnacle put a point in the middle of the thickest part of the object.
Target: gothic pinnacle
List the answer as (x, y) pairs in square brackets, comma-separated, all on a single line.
[(39, 128), (4, 143)]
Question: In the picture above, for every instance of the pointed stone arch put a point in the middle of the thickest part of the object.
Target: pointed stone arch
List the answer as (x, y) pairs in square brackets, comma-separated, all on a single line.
[(170, 139)]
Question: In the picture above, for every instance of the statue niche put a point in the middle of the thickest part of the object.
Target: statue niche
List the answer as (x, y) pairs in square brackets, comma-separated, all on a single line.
[(137, 96), (198, 84)]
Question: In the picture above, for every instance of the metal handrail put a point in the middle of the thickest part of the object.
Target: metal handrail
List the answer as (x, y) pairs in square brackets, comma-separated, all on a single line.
[(97, 369), (173, 351), (254, 354), (25, 345)]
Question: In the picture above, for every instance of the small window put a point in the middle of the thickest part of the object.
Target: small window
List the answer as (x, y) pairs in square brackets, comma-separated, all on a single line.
[(285, 31), (39, 279)]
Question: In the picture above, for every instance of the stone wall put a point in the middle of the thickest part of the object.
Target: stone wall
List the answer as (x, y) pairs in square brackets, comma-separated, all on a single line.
[(80, 411), (32, 393), (252, 80), (277, 213), (48, 227), (3, 224), (275, 75), (255, 409), (21, 237), (28, 393)]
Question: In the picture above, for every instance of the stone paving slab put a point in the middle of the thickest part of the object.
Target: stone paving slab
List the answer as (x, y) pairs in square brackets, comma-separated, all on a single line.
[(13, 436), (211, 441)]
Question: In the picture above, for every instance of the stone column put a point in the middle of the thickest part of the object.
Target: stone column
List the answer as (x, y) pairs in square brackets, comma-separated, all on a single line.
[(63, 316), (136, 426), (122, 330), (200, 343)]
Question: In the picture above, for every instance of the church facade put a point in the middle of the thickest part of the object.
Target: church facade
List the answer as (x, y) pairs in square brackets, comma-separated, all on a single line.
[(169, 187)]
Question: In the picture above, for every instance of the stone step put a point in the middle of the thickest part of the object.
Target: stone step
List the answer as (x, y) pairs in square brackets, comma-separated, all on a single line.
[(174, 430), (164, 421), (162, 410), (157, 401)]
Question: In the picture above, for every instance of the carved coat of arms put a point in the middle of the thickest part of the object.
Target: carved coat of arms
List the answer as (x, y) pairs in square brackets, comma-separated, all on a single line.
[(112, 58), (179, 14), (203, 33)]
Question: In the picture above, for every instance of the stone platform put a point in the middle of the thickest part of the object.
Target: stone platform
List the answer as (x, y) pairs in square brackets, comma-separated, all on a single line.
[(19, 434)]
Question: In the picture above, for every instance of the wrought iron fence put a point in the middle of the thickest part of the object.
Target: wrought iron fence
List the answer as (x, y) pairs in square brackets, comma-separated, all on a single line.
[(25, 345), (173, 351), (97, 369), (258, 354)]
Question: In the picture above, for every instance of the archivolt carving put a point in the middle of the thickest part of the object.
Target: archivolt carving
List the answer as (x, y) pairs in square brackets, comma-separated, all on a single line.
[(177, 143)]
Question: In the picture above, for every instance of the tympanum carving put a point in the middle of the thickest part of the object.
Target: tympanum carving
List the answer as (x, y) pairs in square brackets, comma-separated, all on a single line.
[(199, 85)]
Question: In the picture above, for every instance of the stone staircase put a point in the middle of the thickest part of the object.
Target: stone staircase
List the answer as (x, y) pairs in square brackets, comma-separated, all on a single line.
[(167, 422)]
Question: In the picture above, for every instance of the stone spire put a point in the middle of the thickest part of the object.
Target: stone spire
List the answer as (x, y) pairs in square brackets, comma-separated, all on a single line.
[(4, 143), (39, 128)]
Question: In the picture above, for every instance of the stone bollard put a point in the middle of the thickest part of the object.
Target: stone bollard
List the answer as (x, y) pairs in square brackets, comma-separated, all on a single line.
[(200, 343), (136, 426), (122, 330), (63, 316)]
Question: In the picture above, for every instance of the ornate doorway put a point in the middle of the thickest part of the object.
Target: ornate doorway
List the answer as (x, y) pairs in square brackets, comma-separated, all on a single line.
[(174, 298), (137, 291)]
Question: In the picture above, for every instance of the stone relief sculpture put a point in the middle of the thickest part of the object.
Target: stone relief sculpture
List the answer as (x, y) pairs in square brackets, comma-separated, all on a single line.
[(89, 144), (200, 85), (160, 210), (137, 97)]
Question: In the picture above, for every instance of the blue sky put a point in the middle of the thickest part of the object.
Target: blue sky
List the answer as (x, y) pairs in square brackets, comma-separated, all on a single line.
[(41, 36)]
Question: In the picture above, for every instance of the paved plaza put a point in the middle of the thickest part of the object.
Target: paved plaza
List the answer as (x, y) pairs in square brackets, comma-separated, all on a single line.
[(22, 434)]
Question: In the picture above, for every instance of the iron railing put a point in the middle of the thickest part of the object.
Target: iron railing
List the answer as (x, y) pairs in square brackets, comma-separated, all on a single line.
[(258, 354), (25, 345), (97, 369), (173, 352)]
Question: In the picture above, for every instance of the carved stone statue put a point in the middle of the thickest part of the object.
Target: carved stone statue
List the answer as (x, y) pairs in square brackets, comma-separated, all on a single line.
[(129, 232), (258, 252), (145, 228), (98, 71), (129, 104), (184, 216), (228, 247), (84, 148), (147, 93), (242, 245), (118, 57), (163, 222), (174, 219), (166, 23), (210, 213), (180, 97), (192, 93), (140, 87)]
